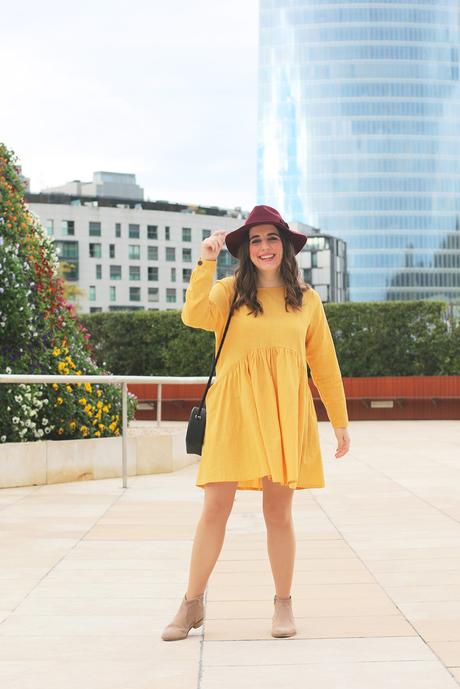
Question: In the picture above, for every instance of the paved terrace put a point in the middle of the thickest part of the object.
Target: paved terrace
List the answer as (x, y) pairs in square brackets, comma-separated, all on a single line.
[(91, 573)]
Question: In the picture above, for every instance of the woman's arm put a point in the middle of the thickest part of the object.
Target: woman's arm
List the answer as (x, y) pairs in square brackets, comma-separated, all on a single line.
[(206, 305), (322, 359)]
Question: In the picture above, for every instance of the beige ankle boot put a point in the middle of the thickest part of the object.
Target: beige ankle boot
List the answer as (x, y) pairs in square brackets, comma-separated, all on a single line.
[(283, 619), (190, 614)]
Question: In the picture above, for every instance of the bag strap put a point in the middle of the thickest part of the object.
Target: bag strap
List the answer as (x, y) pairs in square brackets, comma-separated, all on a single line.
[(215, 358)]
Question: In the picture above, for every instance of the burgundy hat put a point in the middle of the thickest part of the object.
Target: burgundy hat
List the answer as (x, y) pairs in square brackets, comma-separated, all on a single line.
[(261, 215)]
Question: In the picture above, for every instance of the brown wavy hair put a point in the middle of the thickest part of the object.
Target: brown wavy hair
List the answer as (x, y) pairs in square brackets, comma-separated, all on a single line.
[(245, 275)]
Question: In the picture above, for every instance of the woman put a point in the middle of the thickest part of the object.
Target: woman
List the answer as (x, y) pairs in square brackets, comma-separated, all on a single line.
[(261, 429)]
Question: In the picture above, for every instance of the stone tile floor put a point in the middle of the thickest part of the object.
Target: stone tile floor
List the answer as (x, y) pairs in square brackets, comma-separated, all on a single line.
[(91, 573)]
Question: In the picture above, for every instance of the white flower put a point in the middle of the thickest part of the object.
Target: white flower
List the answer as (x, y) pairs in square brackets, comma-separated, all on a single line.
[(47, 430), (40, 432), (15, 419), (3, 438), (8, 370), (44, 421)]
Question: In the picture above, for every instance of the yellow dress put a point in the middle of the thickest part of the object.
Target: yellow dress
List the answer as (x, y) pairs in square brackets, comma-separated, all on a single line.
[(260, 415)]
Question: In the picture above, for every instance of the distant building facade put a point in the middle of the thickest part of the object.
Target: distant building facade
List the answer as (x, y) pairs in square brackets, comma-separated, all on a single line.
[(132, 254)]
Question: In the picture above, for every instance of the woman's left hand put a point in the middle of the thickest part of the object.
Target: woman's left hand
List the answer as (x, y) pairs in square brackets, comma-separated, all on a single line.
[(343, 442)]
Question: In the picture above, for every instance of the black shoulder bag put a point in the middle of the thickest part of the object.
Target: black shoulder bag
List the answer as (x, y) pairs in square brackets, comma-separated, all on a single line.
[(197, 421)]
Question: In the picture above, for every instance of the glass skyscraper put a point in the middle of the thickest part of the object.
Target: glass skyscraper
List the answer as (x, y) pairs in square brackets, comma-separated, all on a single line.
[(359, 135)]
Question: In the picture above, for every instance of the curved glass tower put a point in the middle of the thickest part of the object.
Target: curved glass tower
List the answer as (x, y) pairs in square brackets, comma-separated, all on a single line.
[(359, 135)]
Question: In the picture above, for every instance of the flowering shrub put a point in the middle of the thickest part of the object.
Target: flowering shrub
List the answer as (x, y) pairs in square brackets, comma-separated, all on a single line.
[(40, 333)]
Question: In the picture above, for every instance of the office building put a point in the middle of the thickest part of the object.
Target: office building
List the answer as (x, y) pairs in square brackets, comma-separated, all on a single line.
[(358, 126)]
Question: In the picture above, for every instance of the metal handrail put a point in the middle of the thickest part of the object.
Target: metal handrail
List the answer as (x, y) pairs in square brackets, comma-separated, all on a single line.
[(110, 380)]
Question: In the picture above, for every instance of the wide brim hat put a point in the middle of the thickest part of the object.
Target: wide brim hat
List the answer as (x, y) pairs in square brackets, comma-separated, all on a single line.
[(261, 215)]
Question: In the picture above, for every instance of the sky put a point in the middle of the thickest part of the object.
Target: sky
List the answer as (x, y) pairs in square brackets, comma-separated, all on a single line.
[(166, 90)]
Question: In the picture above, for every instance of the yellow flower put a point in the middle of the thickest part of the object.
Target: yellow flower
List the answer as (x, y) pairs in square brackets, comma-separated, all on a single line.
[(56, 351), (59, 400), (68, 388), (117, 432), (78, 373), (61, 431), (88, 407), (61, 366), (94, 422), (99, 393), (105, 408), (98, 434), (88, 387), (99, 405), (82, 400), (84, 430), (72, 365), (73, 425), (55, 386), (101, 426)]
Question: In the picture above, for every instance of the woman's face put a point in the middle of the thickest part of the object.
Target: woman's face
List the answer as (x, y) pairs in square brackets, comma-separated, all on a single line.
[(265, 240)]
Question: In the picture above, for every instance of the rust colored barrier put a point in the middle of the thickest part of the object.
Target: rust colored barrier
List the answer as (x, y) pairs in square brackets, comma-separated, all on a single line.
[(389, 397)]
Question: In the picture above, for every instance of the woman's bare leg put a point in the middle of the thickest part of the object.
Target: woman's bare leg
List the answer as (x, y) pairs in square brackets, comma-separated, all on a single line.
[(281, 545), (209, 534)]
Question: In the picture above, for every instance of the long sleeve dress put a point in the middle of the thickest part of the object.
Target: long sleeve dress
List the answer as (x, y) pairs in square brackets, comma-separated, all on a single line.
[(260, 415)]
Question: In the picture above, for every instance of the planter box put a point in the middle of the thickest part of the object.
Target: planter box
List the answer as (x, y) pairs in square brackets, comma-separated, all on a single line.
[(150, 451)]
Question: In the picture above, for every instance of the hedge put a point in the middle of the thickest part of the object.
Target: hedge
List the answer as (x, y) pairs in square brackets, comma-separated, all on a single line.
[(396, 338)]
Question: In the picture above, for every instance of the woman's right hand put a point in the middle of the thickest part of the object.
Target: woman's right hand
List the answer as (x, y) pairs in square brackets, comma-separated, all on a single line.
[(212, 245)]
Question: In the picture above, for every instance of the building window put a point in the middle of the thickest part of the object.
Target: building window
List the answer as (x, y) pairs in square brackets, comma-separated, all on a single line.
[(98, 271), (184, 294), (115, 272), (92, 292), (134, 251), (111, 250), (152, 273), (117, 230), (170, 294), (186, 274), (134, 293), (152, 232), (95, 309), (170, 253), (95, 250), (173, 275), (94, 229), (187, 255), (112, 293), (71, 271), (66, 249), (153, 294), (186, 234), (205, 233), (307, 275), (152, 253), (314, 259), (67, 228), (134, 231), (167, 233), (134, 272), (50, 226)]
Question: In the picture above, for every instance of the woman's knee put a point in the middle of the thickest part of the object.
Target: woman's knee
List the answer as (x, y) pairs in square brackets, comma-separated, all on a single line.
[(277, 515), (218, 502)]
